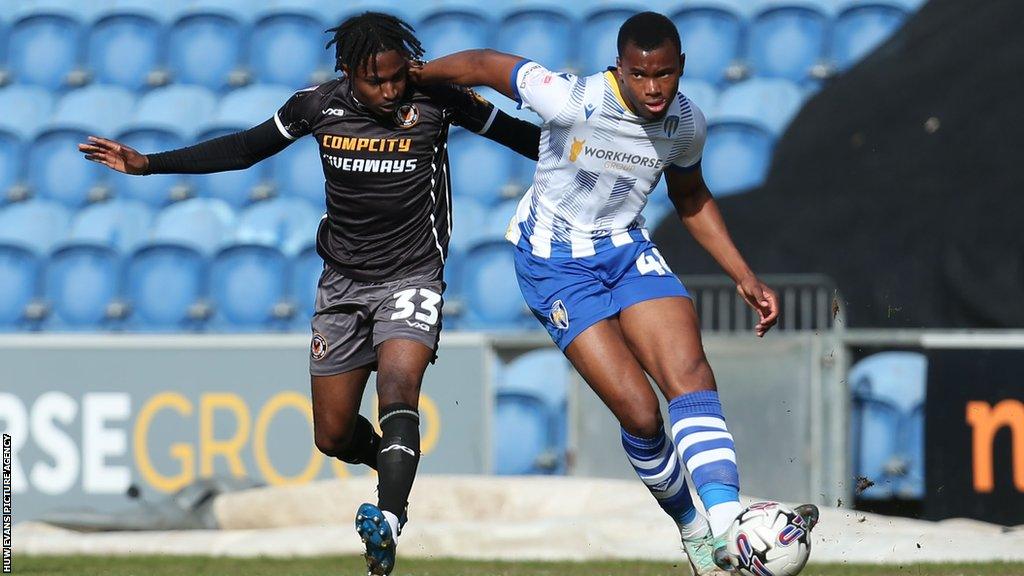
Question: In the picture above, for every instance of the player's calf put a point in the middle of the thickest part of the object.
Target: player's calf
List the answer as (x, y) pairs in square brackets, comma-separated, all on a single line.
[(361, 447)]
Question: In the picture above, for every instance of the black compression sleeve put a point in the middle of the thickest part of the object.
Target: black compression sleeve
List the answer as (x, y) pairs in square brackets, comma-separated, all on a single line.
[(519, 135), (232, 152)]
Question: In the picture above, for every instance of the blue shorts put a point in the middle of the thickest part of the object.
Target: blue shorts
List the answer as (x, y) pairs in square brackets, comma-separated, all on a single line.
[(569, 295)]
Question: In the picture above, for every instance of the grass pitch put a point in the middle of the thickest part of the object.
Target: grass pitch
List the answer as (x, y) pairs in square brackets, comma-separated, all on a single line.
[(207, 566)]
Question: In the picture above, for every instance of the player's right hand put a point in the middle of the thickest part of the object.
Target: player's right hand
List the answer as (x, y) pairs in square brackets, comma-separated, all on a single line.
[(114, 155)]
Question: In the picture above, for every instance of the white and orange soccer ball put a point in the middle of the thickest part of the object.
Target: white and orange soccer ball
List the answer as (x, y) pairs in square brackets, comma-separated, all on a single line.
[(768, 539)]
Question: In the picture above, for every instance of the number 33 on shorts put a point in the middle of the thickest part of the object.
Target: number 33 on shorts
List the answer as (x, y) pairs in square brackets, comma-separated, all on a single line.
[(425, 310), (651, 262)]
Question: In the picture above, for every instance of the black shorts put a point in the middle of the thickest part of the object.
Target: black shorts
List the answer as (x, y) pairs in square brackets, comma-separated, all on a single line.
[(353, 317)]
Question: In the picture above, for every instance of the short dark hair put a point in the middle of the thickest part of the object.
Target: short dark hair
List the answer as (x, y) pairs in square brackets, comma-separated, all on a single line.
[(360, 37), (648, 30)]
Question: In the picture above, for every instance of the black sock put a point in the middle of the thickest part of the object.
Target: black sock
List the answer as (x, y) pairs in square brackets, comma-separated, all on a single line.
[(398, 457), (364, 445)]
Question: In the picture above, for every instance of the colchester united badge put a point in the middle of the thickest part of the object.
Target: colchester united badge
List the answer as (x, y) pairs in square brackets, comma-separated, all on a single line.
[(407, 115), (559, 315)]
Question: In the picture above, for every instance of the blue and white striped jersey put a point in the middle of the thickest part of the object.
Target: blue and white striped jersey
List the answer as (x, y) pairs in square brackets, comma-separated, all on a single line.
[(598, 162)]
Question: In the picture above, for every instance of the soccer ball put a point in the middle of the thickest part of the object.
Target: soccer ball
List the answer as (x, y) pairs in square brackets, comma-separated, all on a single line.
[(769, 539)]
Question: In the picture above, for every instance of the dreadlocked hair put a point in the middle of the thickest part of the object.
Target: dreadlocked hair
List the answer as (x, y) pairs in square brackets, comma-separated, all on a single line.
[(358, 38)]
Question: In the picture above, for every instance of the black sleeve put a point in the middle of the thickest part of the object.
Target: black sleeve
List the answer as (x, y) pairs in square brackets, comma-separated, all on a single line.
[(475, 113), (241, 150), (232, 152)]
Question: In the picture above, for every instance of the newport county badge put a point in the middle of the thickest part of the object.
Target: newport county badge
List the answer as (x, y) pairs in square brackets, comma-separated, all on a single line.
[(318, 347), (407, 115), (559, 315)]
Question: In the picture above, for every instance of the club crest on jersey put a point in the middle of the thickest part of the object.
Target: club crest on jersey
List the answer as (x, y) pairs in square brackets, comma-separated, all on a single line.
[(407, 115), (671, 124), (559, 315), (577, 147), (318, 347)]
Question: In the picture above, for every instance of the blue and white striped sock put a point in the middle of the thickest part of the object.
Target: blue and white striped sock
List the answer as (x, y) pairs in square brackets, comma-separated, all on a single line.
[(706, 448), (657, 465)]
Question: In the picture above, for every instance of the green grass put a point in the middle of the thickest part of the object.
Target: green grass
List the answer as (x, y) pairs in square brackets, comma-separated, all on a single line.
[(206, 566)]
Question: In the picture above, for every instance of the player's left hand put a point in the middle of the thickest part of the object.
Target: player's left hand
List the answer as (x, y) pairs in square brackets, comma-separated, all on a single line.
[(762, 299), (415, 71)]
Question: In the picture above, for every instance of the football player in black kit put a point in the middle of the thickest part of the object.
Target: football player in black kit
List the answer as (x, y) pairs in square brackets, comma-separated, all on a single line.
[(384, 241)]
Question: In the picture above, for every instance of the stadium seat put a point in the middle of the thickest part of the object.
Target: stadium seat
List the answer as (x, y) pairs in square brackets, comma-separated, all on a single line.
[(180, 109), (712, 35), (888, 393), (82, 281), (286, 46), (521, 434), (786, 39), (861, 27), (165, 285), (298, 172), (156, 190), (736, 156), (290, 224), (19, 283), (125, 46), (542, 34), (770, 102), (240, 110), (204, 46), (34, 106), (701, 93), (204, 224), (491, 291), (452, 27), (601, 29), (544, 374), (104, 108), (44, 46), (498, 219), (304, 275), (469, 218), (11, 163), (467, 153), (248, 287), (35, 225), (120, 224)]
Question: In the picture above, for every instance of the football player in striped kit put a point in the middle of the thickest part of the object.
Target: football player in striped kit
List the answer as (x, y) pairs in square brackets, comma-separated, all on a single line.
[(590, 273)]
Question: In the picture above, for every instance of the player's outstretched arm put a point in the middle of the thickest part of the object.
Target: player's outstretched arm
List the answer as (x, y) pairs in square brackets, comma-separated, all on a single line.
[(699, 213), (236, 151), (482, 67)]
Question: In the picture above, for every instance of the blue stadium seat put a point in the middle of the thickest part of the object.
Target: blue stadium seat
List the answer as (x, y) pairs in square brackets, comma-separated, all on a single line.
[(286, 46), (452, 27), (736, 156), (125, 46), (498, 219), (165, 284), (491, 290), (180, 109), (861, 27), (543, 34), (888, 395), (82, 281), (601, 29), (467, 153), (12, 158), (205, 46), (298, 172), (544, 374), (702, 93), (119, 224), (19, 285), (303, 278), (44, 46), (248, 287), (770, 102), (35, 225), (204, 224), (786, 40), (469, 218), (156, 190), (712, 34), (290, 224), (521, 434), (240, 110), (34, 106), (56, 169)]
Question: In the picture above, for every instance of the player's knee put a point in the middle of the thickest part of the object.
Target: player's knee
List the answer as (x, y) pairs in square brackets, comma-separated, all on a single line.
[(643, 422), (398, 387), (693, 376), (332, 443)]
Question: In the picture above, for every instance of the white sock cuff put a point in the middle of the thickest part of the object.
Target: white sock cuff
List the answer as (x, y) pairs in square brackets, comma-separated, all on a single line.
[(393, 522)]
